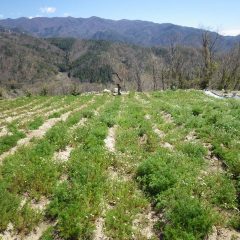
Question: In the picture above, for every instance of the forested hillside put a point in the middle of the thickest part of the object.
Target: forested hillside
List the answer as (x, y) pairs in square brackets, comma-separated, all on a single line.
[(142, 33), (26, 61), (68, 65)]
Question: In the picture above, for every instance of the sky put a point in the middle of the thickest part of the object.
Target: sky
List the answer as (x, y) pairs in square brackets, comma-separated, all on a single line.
[(217, 15)]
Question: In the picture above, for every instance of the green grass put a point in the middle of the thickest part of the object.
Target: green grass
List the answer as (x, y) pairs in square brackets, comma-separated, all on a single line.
[(188, 193), (35, 123), (76, 203), (164, 178), (32, 171), (10, 140)]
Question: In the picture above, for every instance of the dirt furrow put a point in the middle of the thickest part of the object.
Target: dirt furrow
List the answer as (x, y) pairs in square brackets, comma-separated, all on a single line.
[(142, 101), (4, 131), (110, 140), (6, 112), (214, 164), (99, 223), (145, 222), (63, 155), (160, 134), (45, 112), (98, 233), (191, 136), (17, 115), (224, 234), (38, 231), (39, 133), (82, 122), (167, 117), (25, 115), (43, 202), (36, 234)]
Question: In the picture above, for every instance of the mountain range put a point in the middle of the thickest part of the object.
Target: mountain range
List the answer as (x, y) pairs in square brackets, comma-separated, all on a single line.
[(72, 55), (136, 32)]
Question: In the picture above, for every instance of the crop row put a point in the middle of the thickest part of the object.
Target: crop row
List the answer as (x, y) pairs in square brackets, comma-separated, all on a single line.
[(189, 194), (15, 132), (171, 171), (31, 172)]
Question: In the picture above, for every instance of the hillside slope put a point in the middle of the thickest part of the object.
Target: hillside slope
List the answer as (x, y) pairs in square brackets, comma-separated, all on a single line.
[(134, 32), (25, 60), (65, 65)]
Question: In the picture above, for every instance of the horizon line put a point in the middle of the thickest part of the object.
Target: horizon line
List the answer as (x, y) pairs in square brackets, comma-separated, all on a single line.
[(225, 33)]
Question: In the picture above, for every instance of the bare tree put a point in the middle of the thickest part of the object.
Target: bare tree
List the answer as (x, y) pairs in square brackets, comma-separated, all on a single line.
[(176, 62), (209, 41), (154, 68), (138, 64), (159, 71), (229, 72), (138, 79)]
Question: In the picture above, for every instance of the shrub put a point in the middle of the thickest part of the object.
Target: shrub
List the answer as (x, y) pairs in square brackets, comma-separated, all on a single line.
[(193, 150), (187, 218), (220, 190)]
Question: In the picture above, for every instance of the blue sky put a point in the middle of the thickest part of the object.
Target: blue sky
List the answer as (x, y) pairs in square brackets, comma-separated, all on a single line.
[(220, 15)]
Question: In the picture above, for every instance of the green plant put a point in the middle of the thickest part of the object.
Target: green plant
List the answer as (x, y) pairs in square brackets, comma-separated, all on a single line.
[(187, 217), (9, 141), (36, 123)]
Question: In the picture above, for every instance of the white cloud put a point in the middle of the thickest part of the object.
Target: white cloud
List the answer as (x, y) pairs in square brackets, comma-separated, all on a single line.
[(1, 16), (66, 14), (231, 32), (48, 10), (31, 17)]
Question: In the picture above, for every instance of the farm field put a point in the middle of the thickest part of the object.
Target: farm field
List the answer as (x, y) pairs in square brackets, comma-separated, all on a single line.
[(159, 165)]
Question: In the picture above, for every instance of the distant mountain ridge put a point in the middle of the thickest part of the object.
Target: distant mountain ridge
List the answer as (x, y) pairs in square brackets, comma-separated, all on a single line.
[(128, 31)]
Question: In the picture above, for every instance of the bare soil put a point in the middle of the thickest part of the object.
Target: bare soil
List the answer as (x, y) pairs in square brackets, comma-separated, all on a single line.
[(98, 233), (110, 140), (63, 155), (224, 234)]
